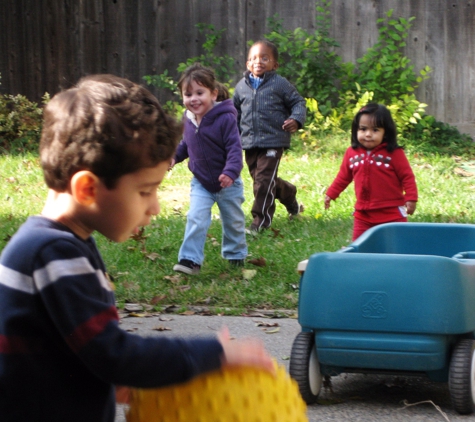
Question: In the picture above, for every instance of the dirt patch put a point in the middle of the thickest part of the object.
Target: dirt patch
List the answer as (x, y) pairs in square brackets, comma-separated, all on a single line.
[(175, 195)]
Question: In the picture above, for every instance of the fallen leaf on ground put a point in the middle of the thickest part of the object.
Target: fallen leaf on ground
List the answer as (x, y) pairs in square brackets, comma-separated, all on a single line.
[(172, 278), (248, 274), (153, 256), (161, 328), (137, 315), (133, 307), (165, 318), (266, 324), (157, 299), (258, 262), (139, 236)]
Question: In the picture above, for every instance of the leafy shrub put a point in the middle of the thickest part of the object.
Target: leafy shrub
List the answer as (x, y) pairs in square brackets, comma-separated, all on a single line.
[(309, 60), (223, 67), (389, 75), (20, 123), (437, 138), (339, 89)]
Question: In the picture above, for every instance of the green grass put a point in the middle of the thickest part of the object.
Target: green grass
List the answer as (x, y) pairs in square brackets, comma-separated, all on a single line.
[(142, 267)]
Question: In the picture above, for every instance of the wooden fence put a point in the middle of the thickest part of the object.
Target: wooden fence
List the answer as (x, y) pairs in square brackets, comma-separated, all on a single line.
[(47, 45)]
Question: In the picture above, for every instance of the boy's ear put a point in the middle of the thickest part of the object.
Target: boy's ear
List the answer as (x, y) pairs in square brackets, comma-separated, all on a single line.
[(276, 65), (84, 187)]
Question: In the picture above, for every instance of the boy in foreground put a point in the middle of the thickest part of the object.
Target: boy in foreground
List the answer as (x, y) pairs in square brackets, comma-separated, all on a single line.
[(105, 148)]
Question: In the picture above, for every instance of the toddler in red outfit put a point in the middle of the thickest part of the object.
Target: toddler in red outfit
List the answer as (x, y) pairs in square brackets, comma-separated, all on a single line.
[(385, 185)]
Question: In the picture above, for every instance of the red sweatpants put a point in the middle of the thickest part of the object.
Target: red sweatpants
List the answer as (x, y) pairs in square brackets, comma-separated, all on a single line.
[(360, 226)]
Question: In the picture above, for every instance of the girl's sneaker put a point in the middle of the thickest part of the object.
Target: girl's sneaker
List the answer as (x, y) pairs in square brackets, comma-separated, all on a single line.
[(188, 267)]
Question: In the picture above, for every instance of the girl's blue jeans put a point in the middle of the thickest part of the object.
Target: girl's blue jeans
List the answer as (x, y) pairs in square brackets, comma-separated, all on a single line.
[(229, 200)]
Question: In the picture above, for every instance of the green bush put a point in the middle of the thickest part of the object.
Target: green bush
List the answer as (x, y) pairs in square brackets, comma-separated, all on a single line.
[(309, 60), (20, 123), (223, 67), (339, 89)]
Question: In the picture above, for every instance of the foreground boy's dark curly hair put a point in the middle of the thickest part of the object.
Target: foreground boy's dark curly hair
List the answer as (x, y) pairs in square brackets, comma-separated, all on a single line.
[(105, 124)]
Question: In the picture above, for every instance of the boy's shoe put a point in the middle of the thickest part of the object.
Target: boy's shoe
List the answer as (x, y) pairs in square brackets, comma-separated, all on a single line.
[(295, 209), (252, 228), (188, 267), (236, 262)]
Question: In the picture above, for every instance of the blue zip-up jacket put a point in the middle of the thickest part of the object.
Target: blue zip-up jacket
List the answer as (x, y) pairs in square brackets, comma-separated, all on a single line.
[(213, 147), (61, 347), (262, 111)]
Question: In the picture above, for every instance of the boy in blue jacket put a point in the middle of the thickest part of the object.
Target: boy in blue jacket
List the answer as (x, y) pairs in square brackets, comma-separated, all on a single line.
[(269, 110), (105, 148)]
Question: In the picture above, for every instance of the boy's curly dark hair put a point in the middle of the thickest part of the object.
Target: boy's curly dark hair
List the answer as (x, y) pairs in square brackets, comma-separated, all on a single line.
[(270, 45), (105, 124), (381, 118)]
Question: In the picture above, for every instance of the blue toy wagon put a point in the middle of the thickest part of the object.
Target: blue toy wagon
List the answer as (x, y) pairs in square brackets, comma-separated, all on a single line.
[(398, 300)]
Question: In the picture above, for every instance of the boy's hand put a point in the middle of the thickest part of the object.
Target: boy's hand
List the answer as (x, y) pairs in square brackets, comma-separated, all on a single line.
[(225, 181), (172, 163), (290, 125), (245, 352), (122, 394), (327, 202), (411, 207)]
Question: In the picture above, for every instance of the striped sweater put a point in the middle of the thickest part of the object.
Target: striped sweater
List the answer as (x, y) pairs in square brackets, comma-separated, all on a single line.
[(61, 348)]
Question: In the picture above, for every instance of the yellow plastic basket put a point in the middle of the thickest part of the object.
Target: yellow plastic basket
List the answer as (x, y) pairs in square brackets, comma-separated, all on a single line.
[(228, 395)]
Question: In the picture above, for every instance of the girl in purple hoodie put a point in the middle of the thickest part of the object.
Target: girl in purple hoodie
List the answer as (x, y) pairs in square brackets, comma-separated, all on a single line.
[(212, 144)]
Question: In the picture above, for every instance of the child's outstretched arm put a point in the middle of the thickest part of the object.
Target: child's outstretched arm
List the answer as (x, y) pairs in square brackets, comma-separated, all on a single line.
[(411, 207), (245, 352)]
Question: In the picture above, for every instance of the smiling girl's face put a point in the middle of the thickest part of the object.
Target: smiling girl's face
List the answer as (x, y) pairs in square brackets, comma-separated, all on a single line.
[(198, 99)]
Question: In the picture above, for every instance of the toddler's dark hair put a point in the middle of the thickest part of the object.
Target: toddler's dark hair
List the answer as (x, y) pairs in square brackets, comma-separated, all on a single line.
[(202, 75), (223, 93), (271, 45), (107, 125), (381, 118)]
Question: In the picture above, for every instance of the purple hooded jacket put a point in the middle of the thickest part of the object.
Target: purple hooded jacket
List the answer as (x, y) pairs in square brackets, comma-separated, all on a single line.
[(213, 147)]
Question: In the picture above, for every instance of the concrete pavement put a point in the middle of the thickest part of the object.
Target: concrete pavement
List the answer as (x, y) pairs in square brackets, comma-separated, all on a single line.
[(352, 397)]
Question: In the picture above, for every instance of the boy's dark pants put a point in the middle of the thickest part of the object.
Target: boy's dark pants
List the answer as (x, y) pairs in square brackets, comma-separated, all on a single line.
[(263, 166)]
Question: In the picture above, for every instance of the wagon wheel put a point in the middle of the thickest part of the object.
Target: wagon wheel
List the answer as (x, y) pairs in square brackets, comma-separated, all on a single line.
[(462, 376), (305, 368)]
